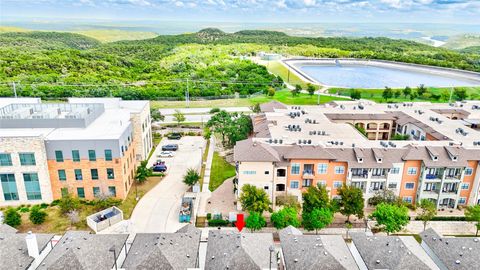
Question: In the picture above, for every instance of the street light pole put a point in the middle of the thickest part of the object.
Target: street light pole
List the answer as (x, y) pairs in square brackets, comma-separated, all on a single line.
[(271, 249)]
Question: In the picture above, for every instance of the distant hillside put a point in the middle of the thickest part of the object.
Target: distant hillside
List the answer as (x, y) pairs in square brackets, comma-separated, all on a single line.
[(473, 49), (4, 29), (462, 42), (47, 40), (112, 35)]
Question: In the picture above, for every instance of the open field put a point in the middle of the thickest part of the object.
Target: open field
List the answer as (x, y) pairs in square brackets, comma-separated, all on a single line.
[(279, 69), (113, 35)]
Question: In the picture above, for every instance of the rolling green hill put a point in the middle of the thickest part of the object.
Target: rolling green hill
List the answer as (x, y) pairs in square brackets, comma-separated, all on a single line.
[(47, 40)]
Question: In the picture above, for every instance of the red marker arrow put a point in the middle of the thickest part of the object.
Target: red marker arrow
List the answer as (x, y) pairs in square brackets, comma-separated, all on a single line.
[(240, 222)]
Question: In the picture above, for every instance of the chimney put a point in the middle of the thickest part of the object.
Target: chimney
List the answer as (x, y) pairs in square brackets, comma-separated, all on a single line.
[(32, 245)]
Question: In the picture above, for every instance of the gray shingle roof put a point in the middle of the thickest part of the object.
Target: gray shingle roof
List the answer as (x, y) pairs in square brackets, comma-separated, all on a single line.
[(359, 116), (455, 253), (443, 158), (4, 228), (391, 252), (239, 250), (327, 252), (85, 251), (248, 150), (14, 252), (164, 251)]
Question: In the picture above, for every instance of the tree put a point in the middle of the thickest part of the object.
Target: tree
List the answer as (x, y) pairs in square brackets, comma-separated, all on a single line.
[(255, 108), (421, 90), (382, 196), (472, 213), (12, 217), (297, 90), (255, 221), (68, 203), (387, 93), (351, 202), (397, 93), (219, 122), (271, 91), (37, 215), (156, 115), (407, 91), (315, 197), (192, 177), (317, 219), (427, 211), (288, 216), (143, 172), (310, 89), (254, 199), (355, 94), (445, 95), (179, 116), (460, 93), (391, 217)]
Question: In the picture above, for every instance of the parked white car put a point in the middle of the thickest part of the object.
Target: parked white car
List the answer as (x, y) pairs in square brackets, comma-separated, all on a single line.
[(165, 154)]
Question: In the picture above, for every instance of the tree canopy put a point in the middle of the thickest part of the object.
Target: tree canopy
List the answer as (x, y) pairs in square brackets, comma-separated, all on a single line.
[(472, 213), (351, 202), (285, 217), (391, 217), (255, 221), (254, 199), (317, 219), (428, 210), (315, 197)]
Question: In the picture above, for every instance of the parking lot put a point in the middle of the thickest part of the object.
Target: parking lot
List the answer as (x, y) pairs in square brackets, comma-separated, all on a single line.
[(158, 210)]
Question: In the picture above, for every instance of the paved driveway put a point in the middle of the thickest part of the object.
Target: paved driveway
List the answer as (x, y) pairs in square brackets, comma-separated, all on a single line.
[(158, 210)]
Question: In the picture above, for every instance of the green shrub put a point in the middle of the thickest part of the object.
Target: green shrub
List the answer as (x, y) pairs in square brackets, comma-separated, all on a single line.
[(37, 216), (209, 216), (55, 202), (12, 217), (218, 222), (23, 209), (214, 110), (447, 218), (68, 204), (43, 205)]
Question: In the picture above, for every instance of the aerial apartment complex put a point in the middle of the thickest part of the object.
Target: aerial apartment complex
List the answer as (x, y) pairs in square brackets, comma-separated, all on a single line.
[(416, 150), (86, 148)]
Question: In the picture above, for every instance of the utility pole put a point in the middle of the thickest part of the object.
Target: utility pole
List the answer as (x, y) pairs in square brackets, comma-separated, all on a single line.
[(14, 89), (187, 96)]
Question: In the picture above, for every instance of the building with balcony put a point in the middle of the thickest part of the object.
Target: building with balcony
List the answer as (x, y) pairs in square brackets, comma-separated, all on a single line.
[(295, 147), (83, 149)]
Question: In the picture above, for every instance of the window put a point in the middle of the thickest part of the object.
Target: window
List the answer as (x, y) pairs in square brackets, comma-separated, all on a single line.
[(32, 186), (337, 184), (78, 174), (322, 168), (322, 183), (94, 173), (294, 184), (76, 155), (27, 159), (249, 172), (108, 154), (9, 187), (339, 169), (5, 159), (465, 185), (395, 170), (59, 156), (392, 185), (81, 192), (462, 200), (468, 171), (112, 191), (62, 176), (110, 173), (409, 185), (412, 171), (295, 168), (92, 156), (267, 172), (265, 187), (64, 192), (307, 182), (407, 199), (96, 192)]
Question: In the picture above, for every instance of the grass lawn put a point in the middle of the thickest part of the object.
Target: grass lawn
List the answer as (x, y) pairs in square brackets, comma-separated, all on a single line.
[(286, 97), (221, 171), (279, 69), (376, 94)]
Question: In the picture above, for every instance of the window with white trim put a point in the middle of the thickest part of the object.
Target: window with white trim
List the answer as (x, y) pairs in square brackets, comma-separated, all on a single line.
[(395, 170), (295, 168), (462, 200), (322, 183), (249, 172), (337, 184), (468, 171), (409, 185), (339, 169), (412, 171), (465, 185), (407, 199), (322, 168), (294, 184)]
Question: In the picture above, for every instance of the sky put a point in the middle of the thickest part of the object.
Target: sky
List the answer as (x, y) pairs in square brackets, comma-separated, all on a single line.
[(402, 11)]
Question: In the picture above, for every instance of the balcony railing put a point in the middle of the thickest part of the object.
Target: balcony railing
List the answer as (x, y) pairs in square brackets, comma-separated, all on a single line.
[(308, 174), (363, 175), (455, 177), (380, 176), (433, 176)]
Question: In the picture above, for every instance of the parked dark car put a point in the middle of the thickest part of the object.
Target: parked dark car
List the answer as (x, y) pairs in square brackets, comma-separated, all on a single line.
[(159, 168), (170, 147), (175, 136)]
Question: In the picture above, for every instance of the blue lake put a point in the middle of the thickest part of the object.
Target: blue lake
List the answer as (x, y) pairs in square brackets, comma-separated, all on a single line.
[(360, 76)]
